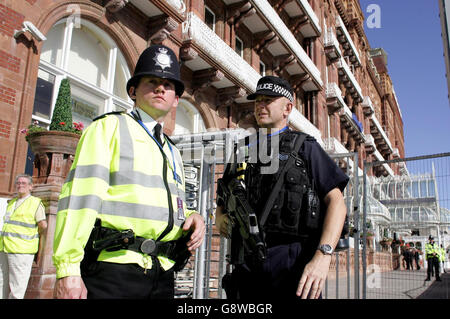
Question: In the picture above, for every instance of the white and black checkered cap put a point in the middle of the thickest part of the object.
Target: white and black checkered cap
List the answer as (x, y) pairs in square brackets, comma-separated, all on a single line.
[(273, 86)]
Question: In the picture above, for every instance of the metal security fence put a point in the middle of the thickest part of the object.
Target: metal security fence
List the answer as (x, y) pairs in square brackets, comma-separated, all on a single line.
[(204, 156), (343, 281), (392, 207), (404, 201)]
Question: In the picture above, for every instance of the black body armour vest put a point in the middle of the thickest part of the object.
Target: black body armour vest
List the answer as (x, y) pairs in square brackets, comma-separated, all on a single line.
[(295, 212)]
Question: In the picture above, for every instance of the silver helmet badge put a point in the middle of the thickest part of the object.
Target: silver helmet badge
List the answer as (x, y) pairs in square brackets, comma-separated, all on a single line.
[(162, 59)]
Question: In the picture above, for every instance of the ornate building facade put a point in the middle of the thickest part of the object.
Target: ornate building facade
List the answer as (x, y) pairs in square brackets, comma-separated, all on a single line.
[(444, 13), (343, 92)]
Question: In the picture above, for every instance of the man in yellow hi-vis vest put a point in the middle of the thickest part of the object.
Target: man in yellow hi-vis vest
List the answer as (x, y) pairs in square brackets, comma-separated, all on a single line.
[(23, 222), (124, 197)]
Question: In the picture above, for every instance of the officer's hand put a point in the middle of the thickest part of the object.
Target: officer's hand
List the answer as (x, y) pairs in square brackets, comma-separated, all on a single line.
[(314, 276), (196, 223), (71, 287)]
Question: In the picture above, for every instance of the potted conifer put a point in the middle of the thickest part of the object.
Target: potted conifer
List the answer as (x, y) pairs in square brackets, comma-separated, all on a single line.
[(54, 149)]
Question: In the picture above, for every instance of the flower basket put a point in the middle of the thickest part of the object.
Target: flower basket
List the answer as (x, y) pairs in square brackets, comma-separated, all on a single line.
[(385, 244), (54, 152), (53, 142)]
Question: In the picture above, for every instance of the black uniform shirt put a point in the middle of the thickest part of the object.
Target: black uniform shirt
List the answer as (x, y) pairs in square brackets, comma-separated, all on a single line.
[(324, 171)]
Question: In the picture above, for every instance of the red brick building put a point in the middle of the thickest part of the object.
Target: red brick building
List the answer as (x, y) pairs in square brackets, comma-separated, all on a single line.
[(344, 95)]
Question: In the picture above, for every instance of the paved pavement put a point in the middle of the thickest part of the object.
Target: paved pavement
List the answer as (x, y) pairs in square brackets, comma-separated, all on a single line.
[(438, 290), (398, 284)]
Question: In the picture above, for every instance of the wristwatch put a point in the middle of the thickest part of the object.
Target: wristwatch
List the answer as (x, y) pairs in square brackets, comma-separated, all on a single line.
[(325, 249)]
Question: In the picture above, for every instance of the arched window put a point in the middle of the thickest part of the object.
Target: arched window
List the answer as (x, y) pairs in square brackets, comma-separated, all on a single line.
[(415, 189), (384, 191), (431, 188), (91, 60), (188, 119), (423, 188), (415, 213), (391, 194), (399, 190), (399, 214), (408, 189)]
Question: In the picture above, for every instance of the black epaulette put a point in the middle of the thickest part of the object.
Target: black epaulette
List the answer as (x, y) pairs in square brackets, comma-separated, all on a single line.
[(288, 140), (109, 113), (310, 138)]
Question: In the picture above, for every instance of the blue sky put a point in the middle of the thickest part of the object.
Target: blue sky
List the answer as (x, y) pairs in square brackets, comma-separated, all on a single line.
[(410, 33)]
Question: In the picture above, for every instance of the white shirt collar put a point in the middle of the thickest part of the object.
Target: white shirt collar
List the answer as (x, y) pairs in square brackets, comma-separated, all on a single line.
[(150, 123)]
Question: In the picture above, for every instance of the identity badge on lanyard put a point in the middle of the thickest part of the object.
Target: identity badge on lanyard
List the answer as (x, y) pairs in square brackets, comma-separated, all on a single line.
[(176, 177), (177, 180)]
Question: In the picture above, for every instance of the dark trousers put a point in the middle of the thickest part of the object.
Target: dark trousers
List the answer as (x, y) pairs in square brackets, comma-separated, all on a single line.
[(408, 263), (128, 281), (277, 278), (433, 262)]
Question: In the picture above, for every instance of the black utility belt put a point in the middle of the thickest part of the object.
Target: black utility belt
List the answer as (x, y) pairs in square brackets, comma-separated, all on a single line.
[(113, 240), (154, 248)]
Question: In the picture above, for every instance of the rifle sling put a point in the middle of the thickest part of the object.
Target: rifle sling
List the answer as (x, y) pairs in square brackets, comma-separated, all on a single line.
[(276, 189)]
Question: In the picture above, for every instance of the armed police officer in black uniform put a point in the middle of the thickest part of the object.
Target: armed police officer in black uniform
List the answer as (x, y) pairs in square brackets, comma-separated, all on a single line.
[(299, 209)]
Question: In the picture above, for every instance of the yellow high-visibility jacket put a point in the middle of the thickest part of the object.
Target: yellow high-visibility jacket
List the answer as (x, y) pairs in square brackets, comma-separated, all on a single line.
[(20, 232), (430, 249), (120, 176), (441, 254)]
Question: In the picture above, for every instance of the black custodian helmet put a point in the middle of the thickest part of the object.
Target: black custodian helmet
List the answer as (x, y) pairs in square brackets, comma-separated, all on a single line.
[(159, 61)]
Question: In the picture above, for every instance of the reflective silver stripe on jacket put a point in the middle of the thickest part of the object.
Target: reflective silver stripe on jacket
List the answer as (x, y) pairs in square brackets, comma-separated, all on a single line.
[(118, 178), (87, 171), (6, 234), (15, 222), (126, 146), (115, 208)]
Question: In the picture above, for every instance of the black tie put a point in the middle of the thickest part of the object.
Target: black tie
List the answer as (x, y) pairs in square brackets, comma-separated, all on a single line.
[(157, 131)]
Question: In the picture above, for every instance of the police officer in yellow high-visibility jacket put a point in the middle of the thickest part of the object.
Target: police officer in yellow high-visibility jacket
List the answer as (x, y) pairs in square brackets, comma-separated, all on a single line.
[(23, 222), (432, 255), (130, 176)]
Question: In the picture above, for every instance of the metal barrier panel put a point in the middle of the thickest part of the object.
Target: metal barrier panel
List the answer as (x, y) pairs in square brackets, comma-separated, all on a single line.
[(195, 280), (343, 281), (204, 155), (184, 281), (404, 202)]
